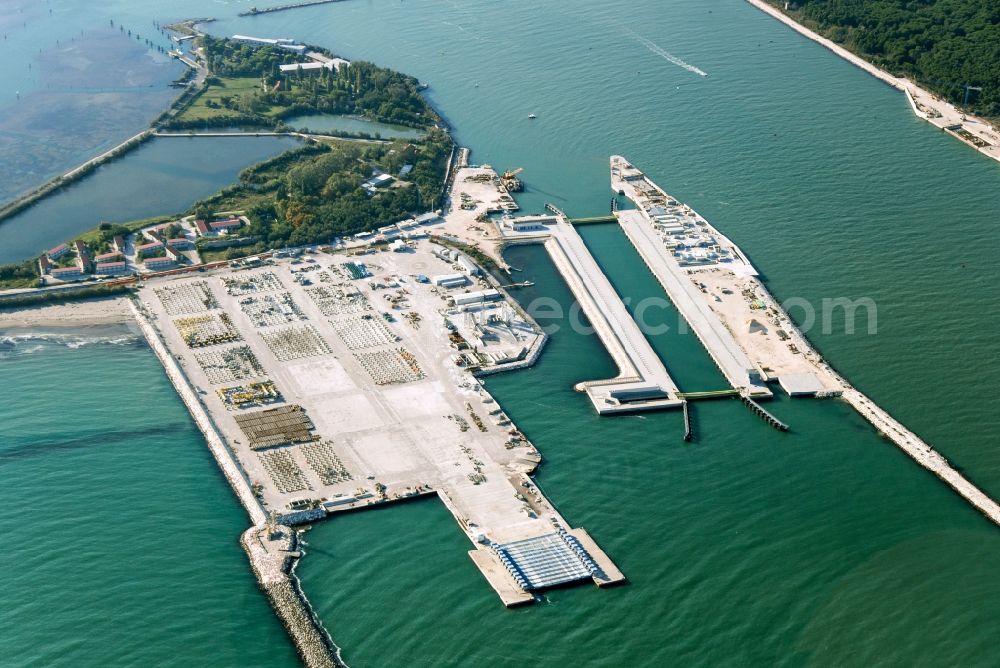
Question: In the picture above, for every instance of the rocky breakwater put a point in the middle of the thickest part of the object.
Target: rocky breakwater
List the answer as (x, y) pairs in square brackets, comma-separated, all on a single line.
[(274, 552)]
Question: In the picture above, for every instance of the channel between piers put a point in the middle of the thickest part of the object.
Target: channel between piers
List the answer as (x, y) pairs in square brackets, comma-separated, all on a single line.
[(643, 382)]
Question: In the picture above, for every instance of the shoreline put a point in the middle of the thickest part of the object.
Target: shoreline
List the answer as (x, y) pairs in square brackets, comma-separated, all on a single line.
[(96, 312), (973, 131), (850, 57)]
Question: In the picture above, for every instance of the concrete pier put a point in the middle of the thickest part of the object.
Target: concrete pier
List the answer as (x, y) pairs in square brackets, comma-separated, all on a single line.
[(608, 574), (503, 583), (643, 382), (282, 8), (370, 396), (718, 341), (921, 452), (763, 414), (794, 353)]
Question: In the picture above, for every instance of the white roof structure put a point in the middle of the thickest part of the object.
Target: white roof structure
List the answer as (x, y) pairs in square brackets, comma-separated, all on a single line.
[(305, 67), (281, 43), (450, 280), (468, 265), (800, 384), (476, 297), (428, 218)]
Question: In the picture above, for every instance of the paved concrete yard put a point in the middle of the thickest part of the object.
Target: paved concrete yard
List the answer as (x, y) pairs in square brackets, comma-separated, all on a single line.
[(391, 412)]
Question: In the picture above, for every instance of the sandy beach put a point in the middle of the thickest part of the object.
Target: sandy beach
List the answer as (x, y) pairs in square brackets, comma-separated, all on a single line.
[(104, 311)]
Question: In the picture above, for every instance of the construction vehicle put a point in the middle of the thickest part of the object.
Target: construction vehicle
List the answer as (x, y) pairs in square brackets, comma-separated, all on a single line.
[(510, 180)]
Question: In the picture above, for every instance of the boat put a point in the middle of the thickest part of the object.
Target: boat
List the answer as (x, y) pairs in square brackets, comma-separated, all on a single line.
[(532, 116), (510, 181)]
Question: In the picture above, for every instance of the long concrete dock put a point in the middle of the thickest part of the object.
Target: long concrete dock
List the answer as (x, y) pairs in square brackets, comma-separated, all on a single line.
[(281, 8), (718, 341), (297, 135), (679, 285), (643, 382)]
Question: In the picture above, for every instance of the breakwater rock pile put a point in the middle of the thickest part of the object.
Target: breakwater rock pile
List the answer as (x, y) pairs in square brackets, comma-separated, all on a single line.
[(273, 553)]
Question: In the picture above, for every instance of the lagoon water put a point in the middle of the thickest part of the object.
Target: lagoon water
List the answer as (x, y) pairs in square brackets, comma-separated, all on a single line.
[(822, 547), (72, 87), (162, 177), (351, 124)]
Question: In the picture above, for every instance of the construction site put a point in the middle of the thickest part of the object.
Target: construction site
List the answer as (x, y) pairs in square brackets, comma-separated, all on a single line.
[(338, 383), (716, 289)]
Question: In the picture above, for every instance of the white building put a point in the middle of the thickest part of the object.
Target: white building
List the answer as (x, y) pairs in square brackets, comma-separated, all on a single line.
[(468, 266), (376, 182), (450, 280), (529, 223), (291, 68), (469, 298), (288, 44), (429, 218)]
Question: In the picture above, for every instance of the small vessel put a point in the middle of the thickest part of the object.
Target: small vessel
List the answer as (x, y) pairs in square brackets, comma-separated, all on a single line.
[(510, 180), (532, 116)]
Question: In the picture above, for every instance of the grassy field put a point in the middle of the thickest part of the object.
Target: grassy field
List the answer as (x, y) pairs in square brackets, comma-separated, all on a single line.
[(216, 254), (94, 237), (18, 283), (208, 104)]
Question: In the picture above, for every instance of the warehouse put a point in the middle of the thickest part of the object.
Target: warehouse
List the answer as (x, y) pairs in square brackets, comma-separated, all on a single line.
[(450, 280), (468, 298)]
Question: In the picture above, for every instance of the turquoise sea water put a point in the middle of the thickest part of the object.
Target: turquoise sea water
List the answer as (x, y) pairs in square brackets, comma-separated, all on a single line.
[(822, 547), (121, 535)]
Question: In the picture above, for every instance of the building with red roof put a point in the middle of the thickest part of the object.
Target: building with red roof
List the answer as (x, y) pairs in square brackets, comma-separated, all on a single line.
[(111, 268), (148, 248), (157, 263), (58, 252), (68, 273)]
